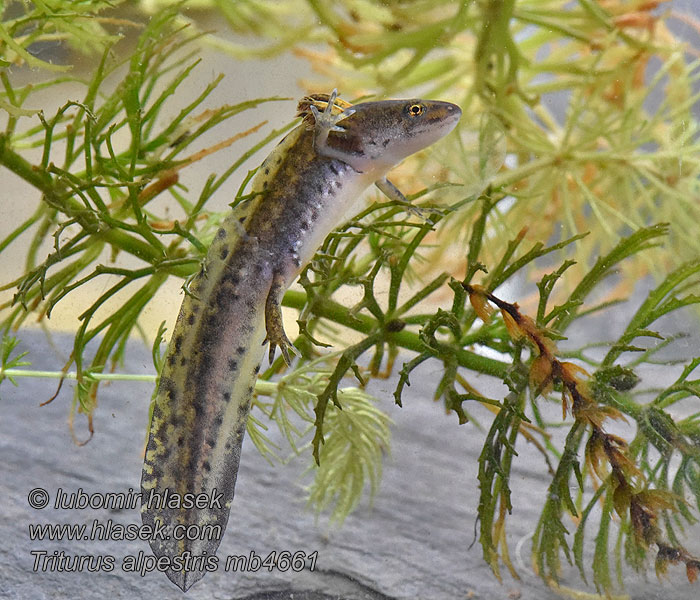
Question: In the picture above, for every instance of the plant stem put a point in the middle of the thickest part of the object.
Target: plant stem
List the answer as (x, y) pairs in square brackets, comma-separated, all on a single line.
[(265, 388), (73, 375), (338, 313)]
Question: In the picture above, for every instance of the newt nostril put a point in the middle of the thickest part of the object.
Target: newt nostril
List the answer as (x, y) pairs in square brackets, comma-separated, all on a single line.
[(454, 110)]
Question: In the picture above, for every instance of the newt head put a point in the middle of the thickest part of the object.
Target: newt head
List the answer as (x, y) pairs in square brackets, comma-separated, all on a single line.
[(378, 135)]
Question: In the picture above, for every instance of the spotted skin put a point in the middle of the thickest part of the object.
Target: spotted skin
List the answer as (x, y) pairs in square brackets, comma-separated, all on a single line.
[(302, 190)]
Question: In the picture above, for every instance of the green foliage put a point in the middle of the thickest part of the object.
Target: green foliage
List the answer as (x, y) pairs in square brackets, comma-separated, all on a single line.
[(594, 182), (27, 25), (7, 349), (96, 194), (357, 438)]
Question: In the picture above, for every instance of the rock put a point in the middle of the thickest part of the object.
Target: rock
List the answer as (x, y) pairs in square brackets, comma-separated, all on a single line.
[(414, 542)]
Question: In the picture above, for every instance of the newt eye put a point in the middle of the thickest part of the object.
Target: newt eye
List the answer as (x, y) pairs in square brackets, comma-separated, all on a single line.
[(415, 110)]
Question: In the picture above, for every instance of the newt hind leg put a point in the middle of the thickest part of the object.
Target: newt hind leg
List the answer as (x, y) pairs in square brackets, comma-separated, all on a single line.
[(274, 324)]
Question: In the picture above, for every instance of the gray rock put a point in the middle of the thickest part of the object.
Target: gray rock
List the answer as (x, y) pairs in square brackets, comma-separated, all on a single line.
[(414, 542)]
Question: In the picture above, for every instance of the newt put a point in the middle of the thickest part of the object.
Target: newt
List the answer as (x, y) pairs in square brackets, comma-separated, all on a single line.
[(300, 193)]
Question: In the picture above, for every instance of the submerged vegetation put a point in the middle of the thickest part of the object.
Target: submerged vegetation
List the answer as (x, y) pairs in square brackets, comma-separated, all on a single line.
[(591, 103)]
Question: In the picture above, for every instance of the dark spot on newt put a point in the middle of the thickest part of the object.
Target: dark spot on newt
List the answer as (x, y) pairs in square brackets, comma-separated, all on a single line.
[(240, 350), (190, 318), (227, 396), (385, 143), (221, 234), (177, 472), (218, 303), (219, 421), (333, 169), (178, 343), (168, 387), (265, 185), (230, 277), (224, 253), (171, 360), (183, 361), (267, 170), (232, 364), (180, 441), (206, 466), (209, 333), (256, 370)]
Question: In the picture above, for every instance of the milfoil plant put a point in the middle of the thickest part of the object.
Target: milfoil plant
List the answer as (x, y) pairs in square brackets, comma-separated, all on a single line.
[(591, 197)]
